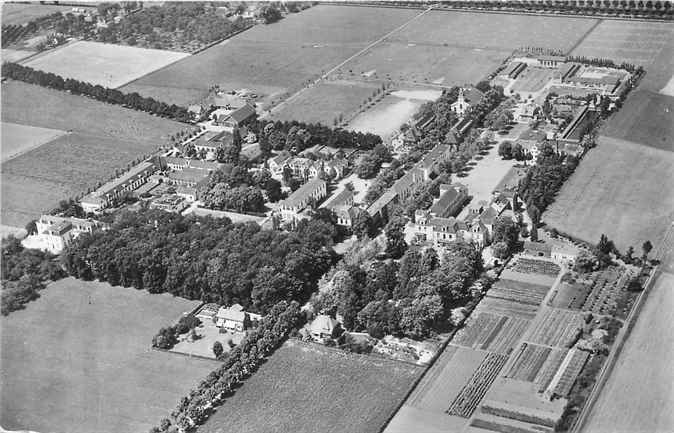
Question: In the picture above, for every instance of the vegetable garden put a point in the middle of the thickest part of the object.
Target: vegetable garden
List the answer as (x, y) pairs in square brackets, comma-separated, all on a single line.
[(520, 292), (470, 396), (559, 328), (492, 332)]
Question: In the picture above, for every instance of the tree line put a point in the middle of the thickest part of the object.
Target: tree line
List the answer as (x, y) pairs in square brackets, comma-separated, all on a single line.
[(25, 273), (204, 258), (104, 94), (238, 364)]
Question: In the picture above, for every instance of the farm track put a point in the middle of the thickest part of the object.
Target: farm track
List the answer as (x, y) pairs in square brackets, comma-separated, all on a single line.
[(582, 39)]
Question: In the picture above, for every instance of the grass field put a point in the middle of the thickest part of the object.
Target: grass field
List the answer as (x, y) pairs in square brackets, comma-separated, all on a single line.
[(638, 395), (305, 387), (78, 360), (106, 64), (494, 31), (646, 118), (274, 59), (103, 138), (386, 117), (17, 139), (621, 189), (326, 101), (20, 13)]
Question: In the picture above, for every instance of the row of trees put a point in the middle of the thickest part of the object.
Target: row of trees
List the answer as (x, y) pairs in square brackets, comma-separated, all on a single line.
[(238, 364), (296, 136), (410, 298), (100, 93), (24, 273), (204, 258)]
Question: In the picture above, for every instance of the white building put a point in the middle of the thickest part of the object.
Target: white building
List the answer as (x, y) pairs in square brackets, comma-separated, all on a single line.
[(54, 233)]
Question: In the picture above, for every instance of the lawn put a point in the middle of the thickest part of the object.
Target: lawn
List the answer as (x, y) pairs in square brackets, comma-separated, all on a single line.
[(621, 189), (17, 139), (277, 58), (386, 116), (494, 31), (106, 64), (103, 138), (306, 387), (78, 360)]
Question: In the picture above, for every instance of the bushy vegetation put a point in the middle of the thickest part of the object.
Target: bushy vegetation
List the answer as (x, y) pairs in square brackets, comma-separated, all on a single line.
[(167, 337), (204, 258), (24, 273), (238, 364), (100, 93)]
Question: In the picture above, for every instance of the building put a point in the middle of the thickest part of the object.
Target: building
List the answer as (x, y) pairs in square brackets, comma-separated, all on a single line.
[(336, 168), (112, 190), (54, 233), (347, 215), (311, 192), (169, 203), (209, 142), (468, 97), (228, 101), (187, 192), (232, 318), (178, 163), (441, 231), (238, 117), (451, 200), (430, 163), (564, 253), (513, 70), (191, 177), (321, 327), (566, 71), (278, 163), (342, 198), (551, 61)]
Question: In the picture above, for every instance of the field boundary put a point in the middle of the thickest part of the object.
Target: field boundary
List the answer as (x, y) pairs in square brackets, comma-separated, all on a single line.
[(622, 336), (582, 38)]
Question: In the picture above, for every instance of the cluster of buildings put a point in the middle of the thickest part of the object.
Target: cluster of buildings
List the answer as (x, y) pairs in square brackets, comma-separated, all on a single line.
[(306, 168), (233, 318)]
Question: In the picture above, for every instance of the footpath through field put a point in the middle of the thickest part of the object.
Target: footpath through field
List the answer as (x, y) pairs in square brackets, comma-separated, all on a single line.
[(364, 50)]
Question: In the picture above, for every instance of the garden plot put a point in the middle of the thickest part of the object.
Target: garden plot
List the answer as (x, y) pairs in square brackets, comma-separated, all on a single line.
[(555, 327), (535, 363), (608, 289), (571, 293), (472, 393), (507, 308), (492, 332), (518, 291), (445, 380), (108, 65)]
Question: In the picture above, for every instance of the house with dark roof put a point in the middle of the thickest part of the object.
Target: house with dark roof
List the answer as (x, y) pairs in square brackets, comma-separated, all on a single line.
[(451, 200), (238, 117), (110, 191), (342, 198)]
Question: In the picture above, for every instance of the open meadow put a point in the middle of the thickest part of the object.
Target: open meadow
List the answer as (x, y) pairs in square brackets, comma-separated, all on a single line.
[(21, 13), (638, 395), (109, 65), (387, 115), (621, 189), (305, 387), (17, 139), (274, 59), (78, 360), (100, 139)]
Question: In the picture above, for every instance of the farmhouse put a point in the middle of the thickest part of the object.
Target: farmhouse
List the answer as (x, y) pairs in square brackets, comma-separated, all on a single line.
[(110, 191), (468, 97), (321, 327), (313, 191), (238, 117), (54, 233), (232, 318)]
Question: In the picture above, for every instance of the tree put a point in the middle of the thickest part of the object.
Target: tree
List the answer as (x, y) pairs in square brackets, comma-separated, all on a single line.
[(505, 149), (218, 350), (646, 248), (395, 236), (483, 86), (368, 166), (629, 255), (421, 315), (270, 14), (500, 250), (505, 230), (585, 262)]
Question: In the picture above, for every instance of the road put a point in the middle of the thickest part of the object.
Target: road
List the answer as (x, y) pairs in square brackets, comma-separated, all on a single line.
[(364, 50)]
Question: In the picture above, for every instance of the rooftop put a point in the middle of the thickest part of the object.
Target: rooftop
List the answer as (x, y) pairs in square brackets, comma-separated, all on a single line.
[(299, 197), (133, 172), (189, 175)]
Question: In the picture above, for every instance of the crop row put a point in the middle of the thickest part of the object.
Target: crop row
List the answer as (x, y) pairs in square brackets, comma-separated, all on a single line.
[(495, 333), (472, 393), (533, 266), (517, 291), (504, 307), (529, 361), (549, 369), (570, 369), (558, 328)]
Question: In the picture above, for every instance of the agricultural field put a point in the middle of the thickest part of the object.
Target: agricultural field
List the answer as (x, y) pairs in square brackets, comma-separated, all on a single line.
[(11, 55), (287, 54), (17, 139), (21, 13), (646, 118), (638, 394), (445, 380), (327, 101), (555, 327), (306, 387), (72, 363), (492, 332), (470, 396), (603, 196), (518, 291), (108, 65), (494, 31), (100, 139)]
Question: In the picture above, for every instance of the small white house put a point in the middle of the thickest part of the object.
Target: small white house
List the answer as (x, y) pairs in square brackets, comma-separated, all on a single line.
[(232, 318)]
